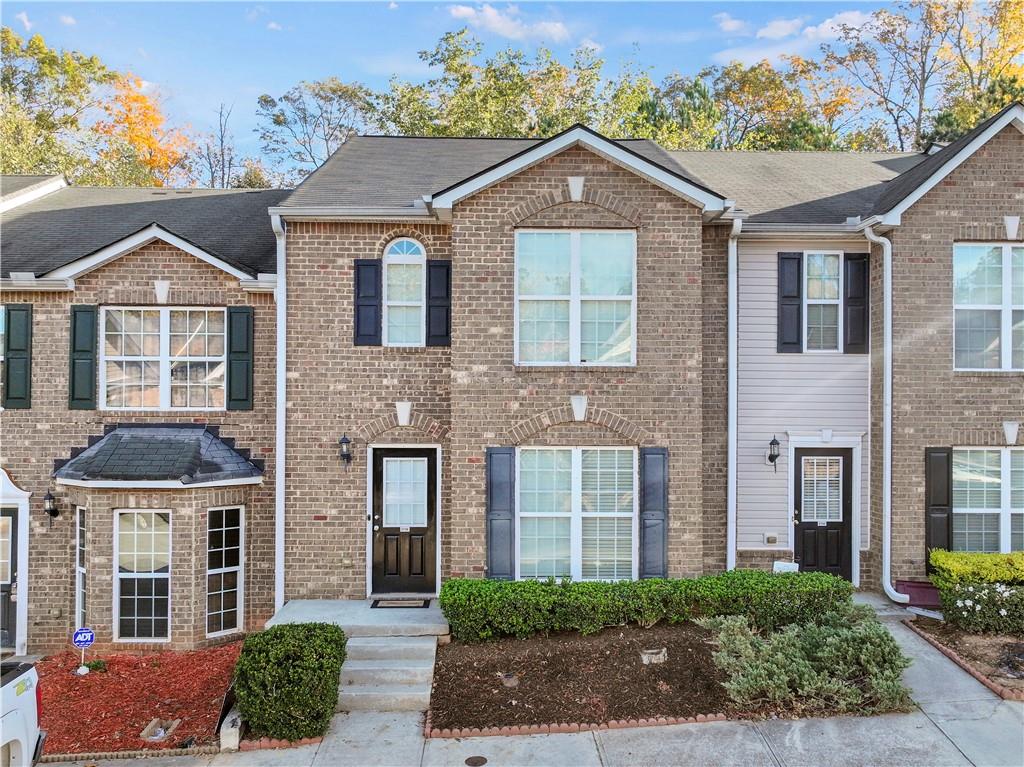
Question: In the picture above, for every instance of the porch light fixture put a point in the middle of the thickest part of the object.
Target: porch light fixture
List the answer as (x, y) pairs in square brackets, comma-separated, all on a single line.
[(50, 506), (773, 452), (346, 449)]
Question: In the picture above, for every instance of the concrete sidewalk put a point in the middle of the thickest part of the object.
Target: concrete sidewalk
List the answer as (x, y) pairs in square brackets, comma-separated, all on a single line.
[(958, 721)]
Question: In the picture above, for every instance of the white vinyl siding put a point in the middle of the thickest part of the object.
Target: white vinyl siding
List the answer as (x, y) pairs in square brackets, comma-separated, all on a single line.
[(988, 499), (780, 393), (988, 306)]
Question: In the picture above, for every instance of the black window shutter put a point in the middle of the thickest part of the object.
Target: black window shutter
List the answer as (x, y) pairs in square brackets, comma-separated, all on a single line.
[(439, 303), (240, 357), (18, 357), (790, 324), (501, 505), (856, 330), (368, 296), (653, 512), (938, 491), (82, 358)]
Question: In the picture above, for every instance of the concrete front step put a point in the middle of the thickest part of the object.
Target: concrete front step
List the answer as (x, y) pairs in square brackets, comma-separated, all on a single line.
[(391, 648), (385, 697), (378, 671), (358, 619)]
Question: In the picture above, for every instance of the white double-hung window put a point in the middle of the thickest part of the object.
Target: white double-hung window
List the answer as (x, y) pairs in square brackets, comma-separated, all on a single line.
[(823, 291), (142, 583), (575, 298), (405, 300), (988, 499), (577, 513), (988, 306), (162, 358)]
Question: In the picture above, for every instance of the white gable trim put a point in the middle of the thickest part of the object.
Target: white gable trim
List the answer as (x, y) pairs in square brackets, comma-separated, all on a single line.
[(132, 242), (705, 200), (893, 217), (31, 193)]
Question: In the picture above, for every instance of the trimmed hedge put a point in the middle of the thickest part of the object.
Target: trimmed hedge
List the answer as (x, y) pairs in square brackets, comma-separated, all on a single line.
[(485, 609), (979, 592), (951, 567), (286, 679)]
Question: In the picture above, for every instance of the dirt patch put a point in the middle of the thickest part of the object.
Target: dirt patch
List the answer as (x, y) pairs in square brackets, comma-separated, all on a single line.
[(1000, 657), (106, 710), (572, 678)]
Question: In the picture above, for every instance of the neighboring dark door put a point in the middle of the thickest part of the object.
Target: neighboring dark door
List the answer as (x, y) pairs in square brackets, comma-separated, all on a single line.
[(823, 485), (404, 520), (8, 576)]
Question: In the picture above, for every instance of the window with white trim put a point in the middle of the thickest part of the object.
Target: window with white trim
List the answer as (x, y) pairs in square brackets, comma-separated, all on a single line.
[(577, 513), (142, 551), (823, 292), (405, 285), (162, 358), (575, 298), (988, 499), (81, 582), (988, 306), (224, 584)]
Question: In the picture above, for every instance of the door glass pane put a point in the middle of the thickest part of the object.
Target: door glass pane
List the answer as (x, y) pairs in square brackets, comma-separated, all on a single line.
[(606, 263), (977, 338), (822, 493), (543, 263), (607, 548), (6, 545), (978, 274), (607, 481), (606, 334), (823, 326), (544, 331), (544, 549), (405, 492)]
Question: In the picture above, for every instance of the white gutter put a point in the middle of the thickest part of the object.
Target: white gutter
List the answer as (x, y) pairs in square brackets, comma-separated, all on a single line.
[(326, 213), (280, 420), (264, 283), (733, 376), (886, 244), (28, 281)]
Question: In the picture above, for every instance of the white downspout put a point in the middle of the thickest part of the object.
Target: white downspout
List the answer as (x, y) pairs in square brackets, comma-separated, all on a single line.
[(733, 376), (280, 420), (886, 244)]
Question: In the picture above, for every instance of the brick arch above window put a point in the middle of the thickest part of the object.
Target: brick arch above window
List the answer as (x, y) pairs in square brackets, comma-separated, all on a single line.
[(428, 426), (622, 213), (428, 241), (556, 416)]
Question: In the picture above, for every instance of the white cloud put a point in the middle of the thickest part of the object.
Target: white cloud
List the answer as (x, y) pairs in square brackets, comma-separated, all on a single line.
[(773, 52), (508, 23), (143, 53), (831, 28), (25, 22), (273, 26), (728, 24), (780, 28), (392, 6), (595, 46), (254, 13), (68, 21)]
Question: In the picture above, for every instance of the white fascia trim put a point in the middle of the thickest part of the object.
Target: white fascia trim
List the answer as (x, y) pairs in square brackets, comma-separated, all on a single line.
[(264, 283), (893, 217), (339, 213), (156, 484), (601, 146), (280, 407), (37, 284), (33, 192), (733, 383), (755, 231), (145, 236)]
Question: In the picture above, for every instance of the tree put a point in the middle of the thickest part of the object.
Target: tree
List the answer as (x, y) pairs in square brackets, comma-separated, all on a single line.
[(253, 176), (963, 114), (694, 108), (216, 155)]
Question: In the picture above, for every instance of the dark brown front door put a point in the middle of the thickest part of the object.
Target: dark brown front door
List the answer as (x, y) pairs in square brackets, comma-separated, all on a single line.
[(823, 485), (404, 522), (8, 577)]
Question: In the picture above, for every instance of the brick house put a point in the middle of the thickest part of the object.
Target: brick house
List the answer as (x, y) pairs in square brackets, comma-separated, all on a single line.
[(507, 358)]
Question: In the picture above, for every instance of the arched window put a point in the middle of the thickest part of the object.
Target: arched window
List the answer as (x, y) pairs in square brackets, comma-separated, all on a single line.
[(405, 293)]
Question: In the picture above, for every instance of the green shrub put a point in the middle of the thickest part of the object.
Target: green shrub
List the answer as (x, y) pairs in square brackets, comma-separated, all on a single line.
[(951, 567), (843, 661), (984, 607), (484, 609), (96, 665), (286, 680)]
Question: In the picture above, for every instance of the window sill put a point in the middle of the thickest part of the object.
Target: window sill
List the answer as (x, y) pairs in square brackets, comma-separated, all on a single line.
[(988, 373), (574, 368)]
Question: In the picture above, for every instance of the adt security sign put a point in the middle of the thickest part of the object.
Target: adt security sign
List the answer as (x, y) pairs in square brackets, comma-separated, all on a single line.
[(83, 638)]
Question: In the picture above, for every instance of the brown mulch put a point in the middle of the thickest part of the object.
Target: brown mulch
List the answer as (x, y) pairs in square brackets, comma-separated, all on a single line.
[(573, 678), (987, 653), (106, 710)]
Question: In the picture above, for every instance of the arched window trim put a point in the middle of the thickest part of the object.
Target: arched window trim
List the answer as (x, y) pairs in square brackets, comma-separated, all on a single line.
[(391, 258)]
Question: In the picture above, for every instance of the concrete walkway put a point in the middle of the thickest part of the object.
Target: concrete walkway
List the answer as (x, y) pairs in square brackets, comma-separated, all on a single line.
[(958, 721)]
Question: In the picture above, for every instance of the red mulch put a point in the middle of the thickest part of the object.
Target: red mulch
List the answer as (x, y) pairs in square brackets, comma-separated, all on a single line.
[(106, 711)]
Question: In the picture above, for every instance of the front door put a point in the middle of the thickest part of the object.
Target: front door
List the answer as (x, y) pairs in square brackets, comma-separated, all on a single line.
[(8, 579), (822, 484), (404, 523)]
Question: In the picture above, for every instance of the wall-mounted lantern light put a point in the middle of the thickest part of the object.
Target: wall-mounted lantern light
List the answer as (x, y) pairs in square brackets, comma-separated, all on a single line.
[(50, 506), (773, 452), (346, 449)]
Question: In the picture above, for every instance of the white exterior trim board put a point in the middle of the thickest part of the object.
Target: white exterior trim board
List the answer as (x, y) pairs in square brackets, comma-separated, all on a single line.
[(12, 496)]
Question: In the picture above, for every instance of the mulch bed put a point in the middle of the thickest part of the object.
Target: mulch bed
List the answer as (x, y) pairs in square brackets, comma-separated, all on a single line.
[(106, 710), (573, 678), (991, 655)]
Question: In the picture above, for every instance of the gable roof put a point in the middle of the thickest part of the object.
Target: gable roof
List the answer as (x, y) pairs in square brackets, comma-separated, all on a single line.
[(14, 184), (75, 222)]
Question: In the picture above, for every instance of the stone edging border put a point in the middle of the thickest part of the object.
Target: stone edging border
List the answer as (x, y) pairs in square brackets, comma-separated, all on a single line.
[(264, 743), (134, 754), (559, 727), (1003, 692)]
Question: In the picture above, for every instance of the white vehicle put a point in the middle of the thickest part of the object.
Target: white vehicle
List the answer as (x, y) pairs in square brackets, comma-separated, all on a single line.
[(22, 707)]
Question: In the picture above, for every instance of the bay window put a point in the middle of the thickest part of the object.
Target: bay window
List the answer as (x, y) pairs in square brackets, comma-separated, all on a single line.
[(142, 598), (988, 306), (988, 499), (575, 298), (224, 570), (577, 513)]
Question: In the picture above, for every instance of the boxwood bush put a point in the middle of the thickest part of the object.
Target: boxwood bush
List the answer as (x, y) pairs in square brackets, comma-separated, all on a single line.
[(484, 609), (286, 679), (980, 593), (952, 567)]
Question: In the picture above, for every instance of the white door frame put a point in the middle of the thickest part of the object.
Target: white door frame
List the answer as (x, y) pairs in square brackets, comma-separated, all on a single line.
[(369, 510), (840, 441), (12, 496)]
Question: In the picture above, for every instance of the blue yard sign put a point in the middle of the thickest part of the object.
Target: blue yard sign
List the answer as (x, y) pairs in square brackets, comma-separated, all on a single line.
[(83, 638)]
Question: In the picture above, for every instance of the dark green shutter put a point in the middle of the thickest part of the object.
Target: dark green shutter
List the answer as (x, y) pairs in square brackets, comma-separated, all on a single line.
[(240, 354), (501, 511), (18, 357), (367, 300), (653, 512), (790, 333), (938, 492), (82, 358), (439, 303), (856, 287)]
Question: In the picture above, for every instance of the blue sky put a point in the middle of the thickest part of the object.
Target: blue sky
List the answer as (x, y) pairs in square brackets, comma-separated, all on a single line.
[(199, 54)]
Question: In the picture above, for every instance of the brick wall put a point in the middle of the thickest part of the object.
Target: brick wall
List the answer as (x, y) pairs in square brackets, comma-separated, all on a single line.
[(715, 393)]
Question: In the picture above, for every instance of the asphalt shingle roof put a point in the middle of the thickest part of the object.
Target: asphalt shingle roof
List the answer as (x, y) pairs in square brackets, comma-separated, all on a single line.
[(186, 452), (14, 184), (74, 222)]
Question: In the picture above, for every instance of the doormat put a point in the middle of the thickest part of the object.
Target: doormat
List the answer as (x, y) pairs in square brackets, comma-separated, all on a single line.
[(400, 603)]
